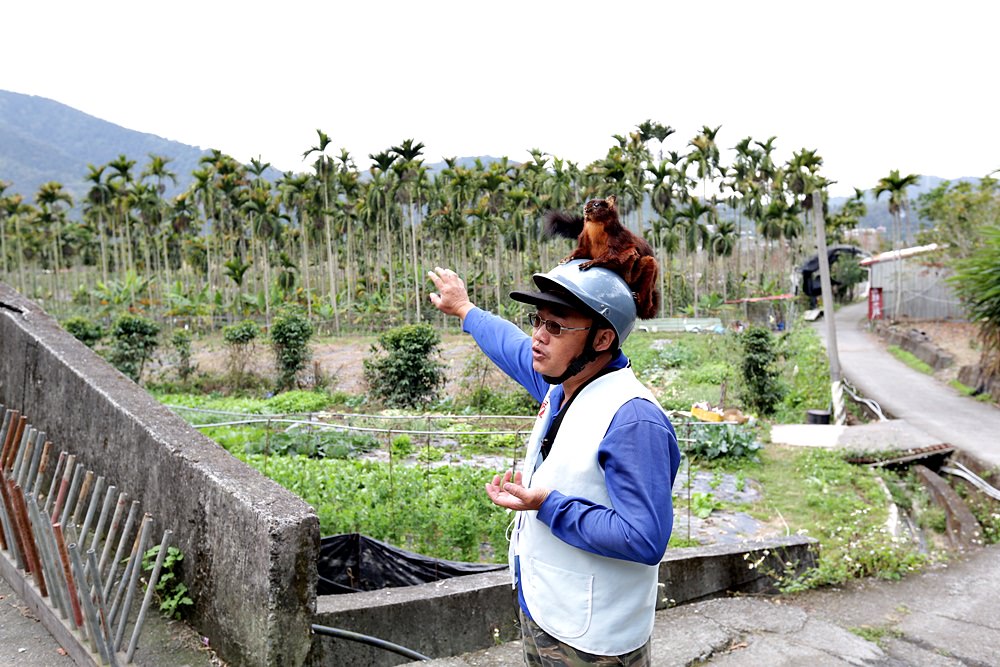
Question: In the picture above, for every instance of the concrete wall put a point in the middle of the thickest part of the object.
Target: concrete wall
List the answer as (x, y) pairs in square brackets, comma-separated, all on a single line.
[(249, 545), (471, 613)]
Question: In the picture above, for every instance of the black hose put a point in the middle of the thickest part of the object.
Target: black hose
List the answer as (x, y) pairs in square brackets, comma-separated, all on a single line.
[(371, 641)]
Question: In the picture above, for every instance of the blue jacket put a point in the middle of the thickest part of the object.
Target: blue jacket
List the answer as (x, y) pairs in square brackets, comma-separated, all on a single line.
[(638, 454)]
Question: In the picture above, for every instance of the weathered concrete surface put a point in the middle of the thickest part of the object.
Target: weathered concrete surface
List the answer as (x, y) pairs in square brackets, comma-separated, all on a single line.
[(945, 616), (250, 546), (963, 531), (437, 619), (883, 436), (472, 613), (700, 573)]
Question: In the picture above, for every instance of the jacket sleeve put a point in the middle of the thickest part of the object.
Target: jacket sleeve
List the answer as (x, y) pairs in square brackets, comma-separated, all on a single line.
[(640, 459), (506, 346)]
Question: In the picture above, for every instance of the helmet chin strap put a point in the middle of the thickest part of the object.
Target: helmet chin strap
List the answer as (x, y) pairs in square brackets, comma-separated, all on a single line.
[(577, 363)]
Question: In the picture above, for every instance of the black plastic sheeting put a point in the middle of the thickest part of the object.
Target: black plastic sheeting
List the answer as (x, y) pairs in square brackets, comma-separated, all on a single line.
[(352, 562)]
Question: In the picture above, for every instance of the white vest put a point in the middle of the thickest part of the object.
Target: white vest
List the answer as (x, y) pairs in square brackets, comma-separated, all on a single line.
[(596, 604)]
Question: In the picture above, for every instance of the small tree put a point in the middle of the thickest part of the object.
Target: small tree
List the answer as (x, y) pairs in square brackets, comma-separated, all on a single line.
[(290, 334), (240, 339), (977, 282), (402, 372), (762, 389), (133, 342), (181, 341)]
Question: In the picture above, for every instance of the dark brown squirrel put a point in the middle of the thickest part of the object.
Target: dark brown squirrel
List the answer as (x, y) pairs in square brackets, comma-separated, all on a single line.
[(604, 241)]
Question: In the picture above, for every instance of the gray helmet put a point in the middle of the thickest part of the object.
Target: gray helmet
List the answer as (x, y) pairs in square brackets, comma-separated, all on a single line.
[(601, 291)]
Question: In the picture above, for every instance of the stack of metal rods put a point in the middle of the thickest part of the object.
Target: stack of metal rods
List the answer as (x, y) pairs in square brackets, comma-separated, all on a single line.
[(72, 564)]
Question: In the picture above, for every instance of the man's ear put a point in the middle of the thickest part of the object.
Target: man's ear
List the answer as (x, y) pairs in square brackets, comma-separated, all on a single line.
[(604, 340)]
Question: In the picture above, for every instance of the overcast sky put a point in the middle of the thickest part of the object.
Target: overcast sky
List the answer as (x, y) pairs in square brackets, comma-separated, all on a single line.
[(872, 86)]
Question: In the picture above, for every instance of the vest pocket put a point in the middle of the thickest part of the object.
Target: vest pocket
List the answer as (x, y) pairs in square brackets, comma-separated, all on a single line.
[(561, 601)]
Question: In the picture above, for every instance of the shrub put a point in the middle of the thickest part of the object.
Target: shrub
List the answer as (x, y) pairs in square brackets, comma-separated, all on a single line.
[(290, 334), (181, 341), (402, 373), (240, 339), (133, 343), (762, 391), (84, 330)]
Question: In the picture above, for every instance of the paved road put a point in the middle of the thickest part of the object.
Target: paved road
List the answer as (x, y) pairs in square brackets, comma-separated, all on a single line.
[(910, 395)]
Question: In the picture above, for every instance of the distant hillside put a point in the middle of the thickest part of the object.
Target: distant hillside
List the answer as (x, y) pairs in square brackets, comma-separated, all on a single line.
[(878, 210), (42, 140)]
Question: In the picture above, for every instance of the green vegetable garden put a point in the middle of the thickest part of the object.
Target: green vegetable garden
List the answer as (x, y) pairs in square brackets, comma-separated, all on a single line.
[(260, 267)]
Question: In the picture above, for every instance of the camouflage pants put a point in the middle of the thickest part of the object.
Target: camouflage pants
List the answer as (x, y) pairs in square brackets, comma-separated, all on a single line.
[(543, 650)]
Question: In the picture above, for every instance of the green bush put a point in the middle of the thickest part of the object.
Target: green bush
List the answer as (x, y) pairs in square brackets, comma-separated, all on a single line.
[(401, 372), (133, 342), (240, 338), (762, 389), (181, 341), (290, 334), (84, 330)]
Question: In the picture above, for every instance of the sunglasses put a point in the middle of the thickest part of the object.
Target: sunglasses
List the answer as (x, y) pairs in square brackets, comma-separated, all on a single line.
[(553, 328)]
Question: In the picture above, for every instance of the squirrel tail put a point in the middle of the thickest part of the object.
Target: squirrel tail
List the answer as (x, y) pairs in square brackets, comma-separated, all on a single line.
[(558, 223)]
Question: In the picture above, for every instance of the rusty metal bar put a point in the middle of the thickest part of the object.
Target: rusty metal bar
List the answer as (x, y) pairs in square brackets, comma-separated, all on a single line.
[(139, 550), (119, 554), (115, 524), (16, 546), (71, 584), (27, 443), (55, 480), (63, 488), (36, 459), (70, 498), (88, 481), (13, 436), (154, 577), (43, 466), (31, 550), (127, 574), (49, 552), (8, 415), (31, 458)]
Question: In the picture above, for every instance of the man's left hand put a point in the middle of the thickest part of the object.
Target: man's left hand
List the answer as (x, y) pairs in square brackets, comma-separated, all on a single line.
[(508, 492)]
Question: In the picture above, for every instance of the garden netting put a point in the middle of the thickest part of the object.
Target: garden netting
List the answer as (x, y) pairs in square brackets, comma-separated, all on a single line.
[(352, 562)]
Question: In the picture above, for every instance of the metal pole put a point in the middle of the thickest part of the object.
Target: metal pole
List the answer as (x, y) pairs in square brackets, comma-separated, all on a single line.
[(837, 395), (63, 487), (133, 511), (43, 465), (101, 607), (105, 508), (115, 524), (70, 583), (154, 577), (55, 480), (95, 497), (147, 525), (46, 540), (97, 642), (74, 487)]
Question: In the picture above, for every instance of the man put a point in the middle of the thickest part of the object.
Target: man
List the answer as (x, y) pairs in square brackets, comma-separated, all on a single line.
[(593, 500)]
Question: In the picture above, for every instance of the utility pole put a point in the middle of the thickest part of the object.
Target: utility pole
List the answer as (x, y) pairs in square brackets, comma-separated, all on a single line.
[(828, 314)]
